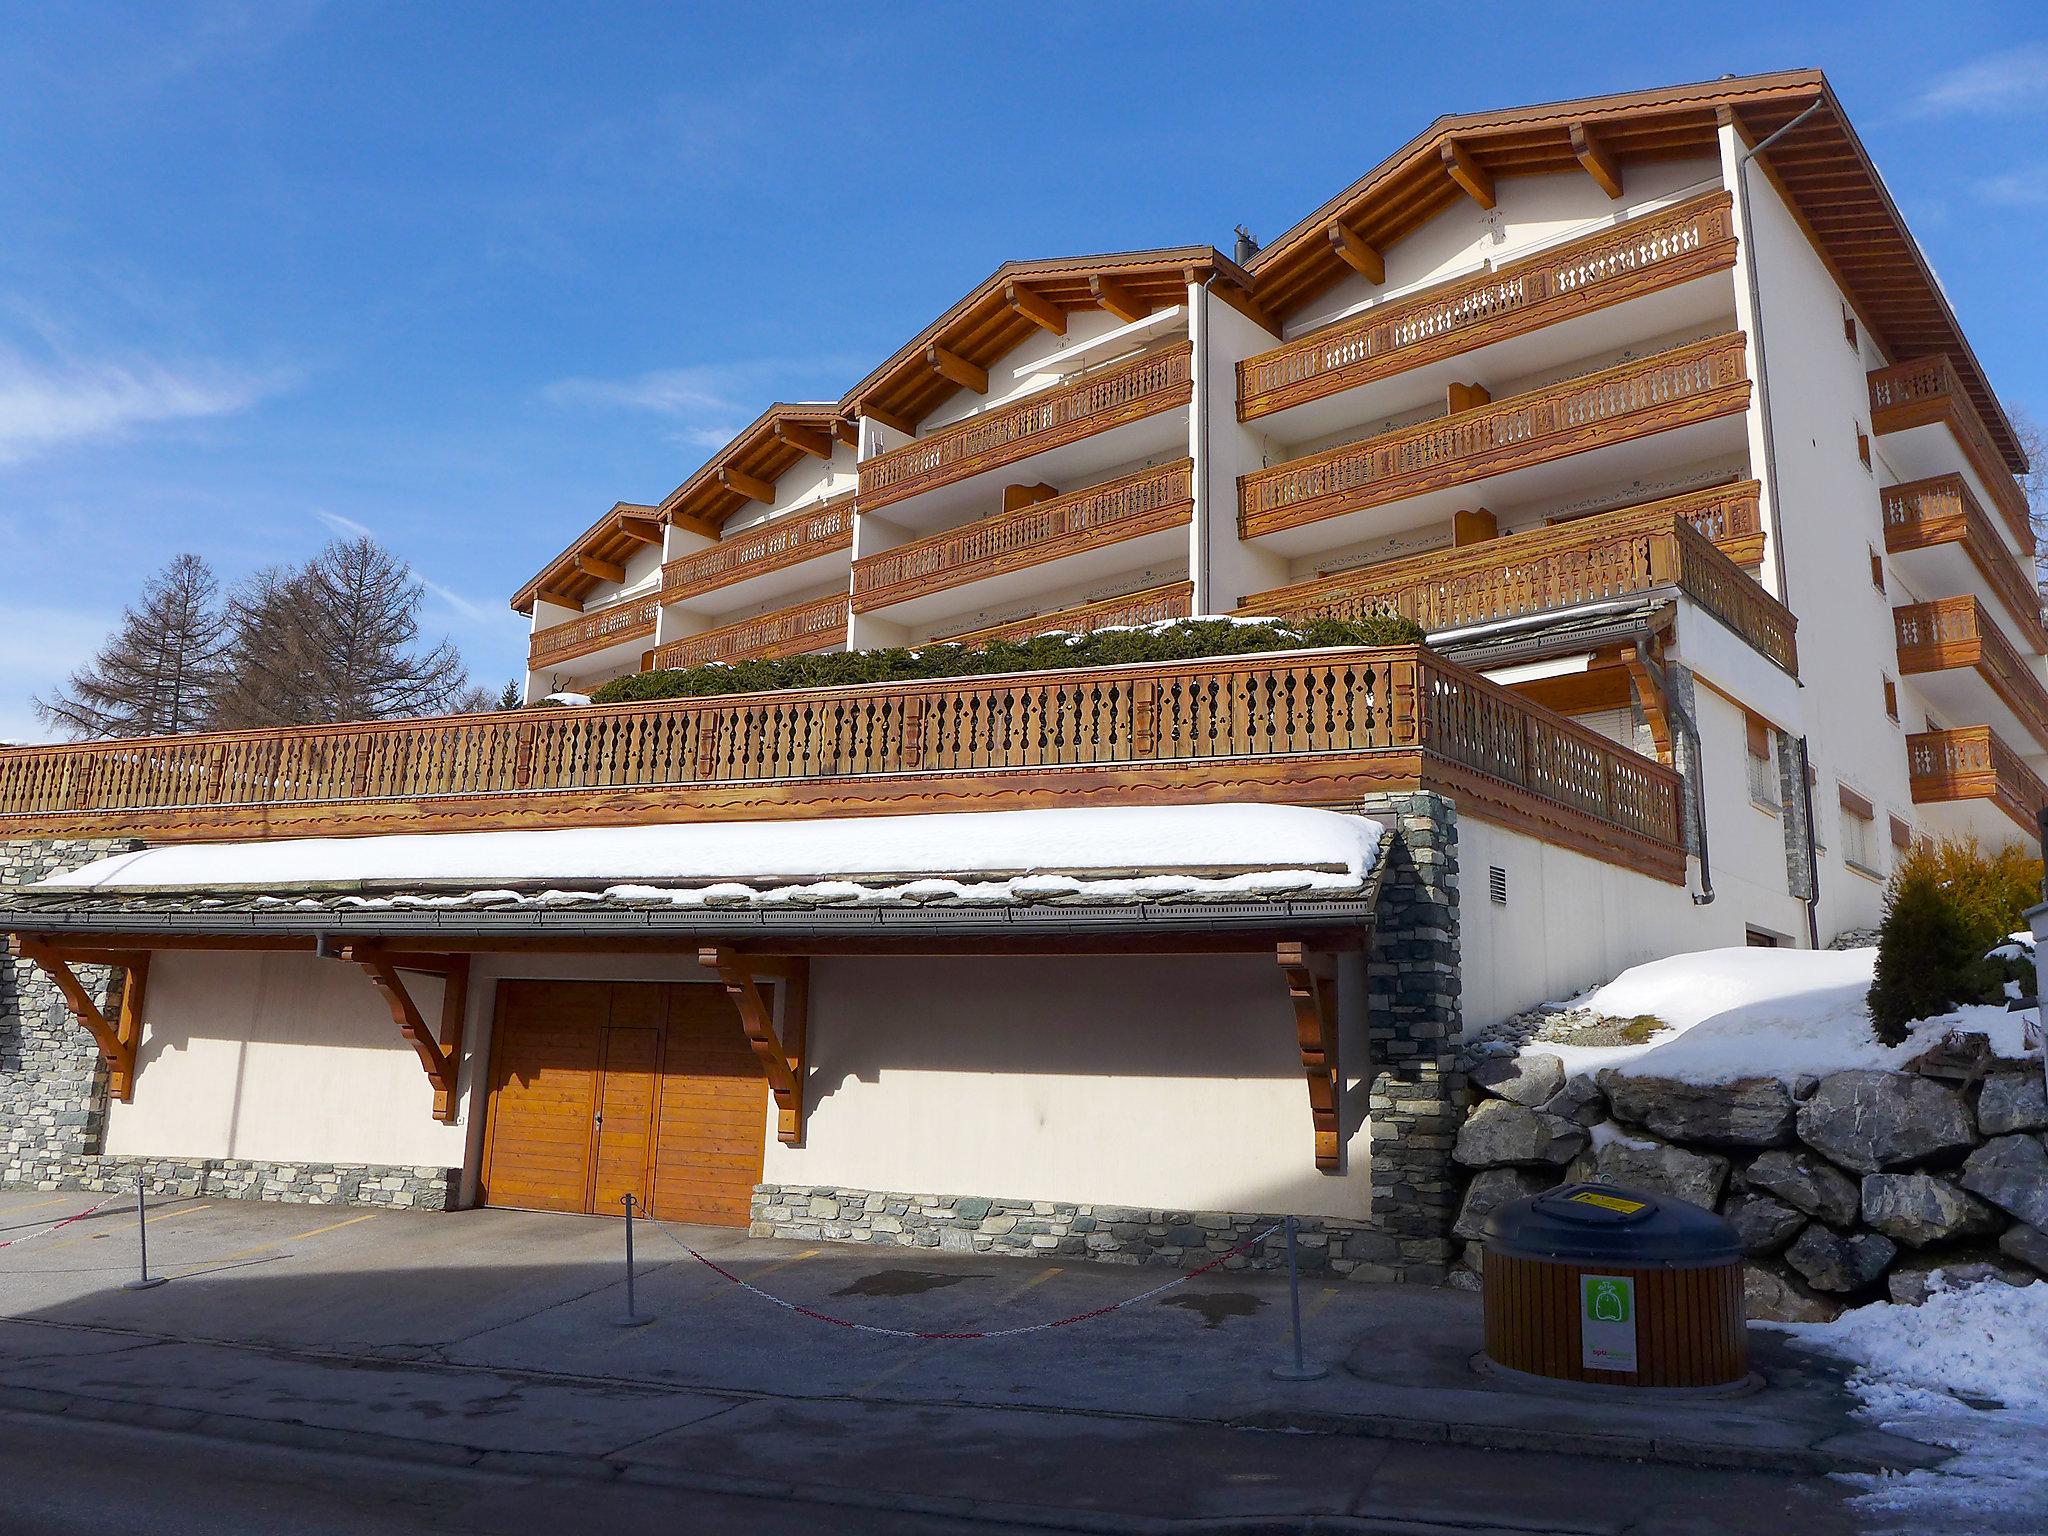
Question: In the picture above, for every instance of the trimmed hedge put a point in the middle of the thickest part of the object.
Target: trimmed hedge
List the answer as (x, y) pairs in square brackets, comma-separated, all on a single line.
[(1181, 640)]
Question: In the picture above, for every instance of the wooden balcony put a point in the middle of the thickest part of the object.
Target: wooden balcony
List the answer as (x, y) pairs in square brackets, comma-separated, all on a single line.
[(1153, 605), (819, 625), (1927, 514), (1322, 727), (1973, 764), (1067, 413), (1952, 633), (1687, 384), (1658, 250), (770, 546), (592, 632), (1150, 501), (1590, 559), (1926, 390)]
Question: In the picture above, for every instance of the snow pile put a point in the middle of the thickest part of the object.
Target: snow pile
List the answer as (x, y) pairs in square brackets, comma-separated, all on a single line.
[(1782, 1013), (1109, 854), (1987, 1342)]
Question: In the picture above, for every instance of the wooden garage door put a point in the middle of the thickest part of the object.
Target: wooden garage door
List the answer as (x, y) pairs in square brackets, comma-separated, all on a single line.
[(603, 1088)]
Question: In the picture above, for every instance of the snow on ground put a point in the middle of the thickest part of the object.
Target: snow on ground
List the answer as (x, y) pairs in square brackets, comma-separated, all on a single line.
[(1124, 853), (1987, 1341), (1763, 1013)]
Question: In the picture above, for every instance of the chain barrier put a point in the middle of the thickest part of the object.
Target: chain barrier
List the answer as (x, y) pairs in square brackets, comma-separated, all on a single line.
[(29, 1237), (925, 1335)]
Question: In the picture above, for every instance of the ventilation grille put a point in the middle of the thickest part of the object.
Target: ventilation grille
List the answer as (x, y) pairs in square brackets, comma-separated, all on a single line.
[(1497, 885)]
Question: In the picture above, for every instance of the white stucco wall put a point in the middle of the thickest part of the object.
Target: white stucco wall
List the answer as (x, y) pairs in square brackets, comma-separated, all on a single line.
[(279, 1057)]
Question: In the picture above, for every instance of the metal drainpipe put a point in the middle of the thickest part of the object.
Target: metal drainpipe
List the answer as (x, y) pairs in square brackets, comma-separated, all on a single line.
[(1812, 849), (1704, 896)]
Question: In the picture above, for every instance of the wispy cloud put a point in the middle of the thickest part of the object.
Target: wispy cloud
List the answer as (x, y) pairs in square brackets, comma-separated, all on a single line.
[(2023, 188), (344, 525), (705, 404), (61, 402), (2012, 81)]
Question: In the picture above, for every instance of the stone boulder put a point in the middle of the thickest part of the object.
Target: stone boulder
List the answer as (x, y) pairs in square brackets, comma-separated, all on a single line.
[(1492, 1188), (2012, 1173), (1524, 1080), (1807, 1183), (1751, 1112), (1918, 1209), (2013, 1101), (1579, 1101), (1692, 1176), (1499, 1134), (1765, 1225), (1771, 1297), (2027, 1244), (1912, 1280), (1832, 1262), (1871, 1121)]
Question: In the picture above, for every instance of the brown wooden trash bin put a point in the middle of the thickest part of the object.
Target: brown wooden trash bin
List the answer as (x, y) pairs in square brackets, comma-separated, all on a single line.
[(1616, 1287)]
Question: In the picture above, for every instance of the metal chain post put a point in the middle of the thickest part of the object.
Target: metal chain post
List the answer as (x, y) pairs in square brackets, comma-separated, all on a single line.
[(145, 1280), (1300, 1370), (632, 1319)]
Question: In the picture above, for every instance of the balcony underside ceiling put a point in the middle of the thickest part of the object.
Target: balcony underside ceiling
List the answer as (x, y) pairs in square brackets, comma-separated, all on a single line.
[(1931, 449), (1963, 695), (1165, 551), (742, 592)]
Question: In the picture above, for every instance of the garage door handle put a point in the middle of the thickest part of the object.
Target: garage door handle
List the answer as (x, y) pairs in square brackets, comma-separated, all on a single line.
[(598, 1119)]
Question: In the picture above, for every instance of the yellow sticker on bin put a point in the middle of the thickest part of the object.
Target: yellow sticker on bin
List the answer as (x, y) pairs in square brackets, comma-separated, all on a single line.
[(1608, 1202)]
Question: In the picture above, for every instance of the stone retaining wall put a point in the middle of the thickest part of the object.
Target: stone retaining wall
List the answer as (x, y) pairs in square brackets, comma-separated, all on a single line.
[(234, 1178)]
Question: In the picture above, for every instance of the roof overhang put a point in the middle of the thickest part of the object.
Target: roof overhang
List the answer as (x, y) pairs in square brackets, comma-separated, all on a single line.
[(569, 578), (759, 455)]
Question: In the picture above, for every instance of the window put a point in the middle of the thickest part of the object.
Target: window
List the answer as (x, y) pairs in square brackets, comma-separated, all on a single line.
[(1849, 328), (1891, 699), (1863, 446), (1763, 767), (1902, 836), (1876, 569), (1859, 831), (1757, 938)]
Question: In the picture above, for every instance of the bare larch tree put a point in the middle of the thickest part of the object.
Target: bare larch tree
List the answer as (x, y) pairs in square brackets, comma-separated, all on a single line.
[(160, 673)]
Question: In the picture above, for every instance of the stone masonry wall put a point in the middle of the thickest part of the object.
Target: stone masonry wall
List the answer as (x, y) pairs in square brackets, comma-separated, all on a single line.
[(1416, 1101), (234, 1178)]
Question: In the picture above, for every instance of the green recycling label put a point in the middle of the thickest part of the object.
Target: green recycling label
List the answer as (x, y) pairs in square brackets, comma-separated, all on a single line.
[(1607, 1323)]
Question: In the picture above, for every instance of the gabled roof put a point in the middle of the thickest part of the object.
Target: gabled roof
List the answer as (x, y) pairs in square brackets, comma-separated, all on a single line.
[(998, 314), (1821, 167), (611, 540), (760, 454)]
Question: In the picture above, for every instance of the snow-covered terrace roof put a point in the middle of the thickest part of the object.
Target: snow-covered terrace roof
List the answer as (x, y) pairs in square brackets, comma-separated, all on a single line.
[(1099, 864)]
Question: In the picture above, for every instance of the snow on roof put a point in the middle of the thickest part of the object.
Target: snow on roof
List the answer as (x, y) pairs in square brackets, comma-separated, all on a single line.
[(1118, 854)]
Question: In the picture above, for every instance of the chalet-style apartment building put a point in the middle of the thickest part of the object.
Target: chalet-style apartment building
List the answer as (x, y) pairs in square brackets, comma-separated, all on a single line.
[(1647, 408)]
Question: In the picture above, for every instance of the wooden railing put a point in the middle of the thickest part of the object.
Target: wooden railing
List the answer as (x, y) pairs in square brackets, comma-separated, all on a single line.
[(1655, 251), (593, 632), (1066, 413), (1973, 764), (1956, 632), (1146, 502), (772, 546), (1322, 726), (1927, 390), (1590, 559), (1153, 605), (1941, 510), (1686, 384), (818, 625)]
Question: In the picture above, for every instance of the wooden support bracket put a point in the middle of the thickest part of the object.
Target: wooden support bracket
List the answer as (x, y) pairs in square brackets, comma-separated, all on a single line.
[(782, 1058), (603, 570), (1120, 301), (116, 1039), (1472, 178), (1036, 307), (811, 440), (1357, 253), (753, 487), (954, 368), (1312, 989), (440, 1054), (1598, 162), (1650, 697)]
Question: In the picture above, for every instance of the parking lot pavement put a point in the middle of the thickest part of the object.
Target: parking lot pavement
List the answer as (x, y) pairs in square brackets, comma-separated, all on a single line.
[(493, 1334)]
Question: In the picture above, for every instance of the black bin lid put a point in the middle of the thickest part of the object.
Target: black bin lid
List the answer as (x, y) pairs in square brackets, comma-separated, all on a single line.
[(1604, 1224)]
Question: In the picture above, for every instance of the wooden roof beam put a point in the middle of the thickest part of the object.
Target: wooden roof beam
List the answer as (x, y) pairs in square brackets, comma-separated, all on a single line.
[(753, 487), (1036, 307), (1358, 254), (846, 430), (896, 421), (1597, 158), (1473, 179), (691, 523), (641, 530), (1245, 305), (1119, 300), (603, 570), (811, 440), (951, 366), (559, 599)]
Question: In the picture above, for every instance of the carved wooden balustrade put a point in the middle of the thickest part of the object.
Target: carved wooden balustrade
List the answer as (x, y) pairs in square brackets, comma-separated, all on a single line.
[(1941, 510), (1146, 502), (1590, 559), (1657, 250), (1316, 727), (1972, 763), (1066, 413), (1153, 605), (1956, 632), (592, 632), (1696, 382), (770, 546), (818, 625), (1927, 390)]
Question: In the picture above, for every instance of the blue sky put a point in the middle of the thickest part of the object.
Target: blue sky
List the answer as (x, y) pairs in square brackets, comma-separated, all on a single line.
[(466, 275)]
